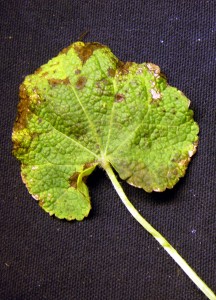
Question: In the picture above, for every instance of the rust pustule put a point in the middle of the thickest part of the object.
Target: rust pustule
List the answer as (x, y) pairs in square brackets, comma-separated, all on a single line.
[(86, 50), (54, 82), (81, 82), (119, 97)]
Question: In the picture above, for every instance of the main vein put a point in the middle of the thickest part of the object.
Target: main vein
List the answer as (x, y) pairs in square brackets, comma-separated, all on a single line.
[(91, 124), (111, 120)]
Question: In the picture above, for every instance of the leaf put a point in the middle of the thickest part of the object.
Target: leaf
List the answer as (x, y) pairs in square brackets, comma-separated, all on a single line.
[(86, 108)]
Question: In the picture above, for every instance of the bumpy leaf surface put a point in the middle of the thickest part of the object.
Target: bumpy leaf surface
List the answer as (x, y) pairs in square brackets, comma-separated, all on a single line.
[(86, 108)]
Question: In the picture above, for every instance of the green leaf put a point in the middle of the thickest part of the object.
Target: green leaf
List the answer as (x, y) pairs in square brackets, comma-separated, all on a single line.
[(86, 108)]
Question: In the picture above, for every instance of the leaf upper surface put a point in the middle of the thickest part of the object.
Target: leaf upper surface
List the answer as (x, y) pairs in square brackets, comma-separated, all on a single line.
[(86, 108)]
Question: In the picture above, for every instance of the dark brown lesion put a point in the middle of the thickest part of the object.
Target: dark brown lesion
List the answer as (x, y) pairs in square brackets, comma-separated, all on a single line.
[(123, 68), (45, 74), (41, 203), (119, 97), (39, 70), (81, 82), (86, 50), (83, 50), (111, 72), (101, 86), (23, 108), (77, 71), (88, 165), (54, 82), (73, 180), (154, 69)]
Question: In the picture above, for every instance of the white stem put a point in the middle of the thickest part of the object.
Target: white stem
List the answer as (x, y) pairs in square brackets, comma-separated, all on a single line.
[(161, 240)]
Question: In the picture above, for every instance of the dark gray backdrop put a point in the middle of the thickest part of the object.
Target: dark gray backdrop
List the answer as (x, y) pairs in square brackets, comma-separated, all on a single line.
[(109, 256)]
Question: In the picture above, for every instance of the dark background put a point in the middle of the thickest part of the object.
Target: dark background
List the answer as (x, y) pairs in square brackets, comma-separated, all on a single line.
[(109, 255)]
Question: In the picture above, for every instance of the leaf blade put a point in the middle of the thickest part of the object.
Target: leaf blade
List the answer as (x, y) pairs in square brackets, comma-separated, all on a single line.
[(86, 108)]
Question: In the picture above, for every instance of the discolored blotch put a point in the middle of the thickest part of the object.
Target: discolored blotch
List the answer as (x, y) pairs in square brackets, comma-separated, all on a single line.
[(119, 97), (123, 68), (81, 82), (111, 72), (77, 72), (54, 82), (73, 180), (180, 161), (184, 162), (45, 74), (23, 109), (41, 203), (87, 166), (84, 51), (101, 84), (38, 70)]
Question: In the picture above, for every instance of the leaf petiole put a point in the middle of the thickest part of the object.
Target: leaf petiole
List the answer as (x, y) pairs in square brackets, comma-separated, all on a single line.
[(162, 241)]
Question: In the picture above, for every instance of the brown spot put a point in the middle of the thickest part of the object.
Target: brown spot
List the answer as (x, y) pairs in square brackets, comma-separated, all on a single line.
[(73, 180), (84, 51), (123, 68), (87, 166), (101, 84), (139, 71), (41, 203), (119, 97), (177, 159), (45, 74), (54, 82), (184, 162), (23, 108), (111, 72), (98, 84), (81, 82), (77, 72), (38, 70)]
